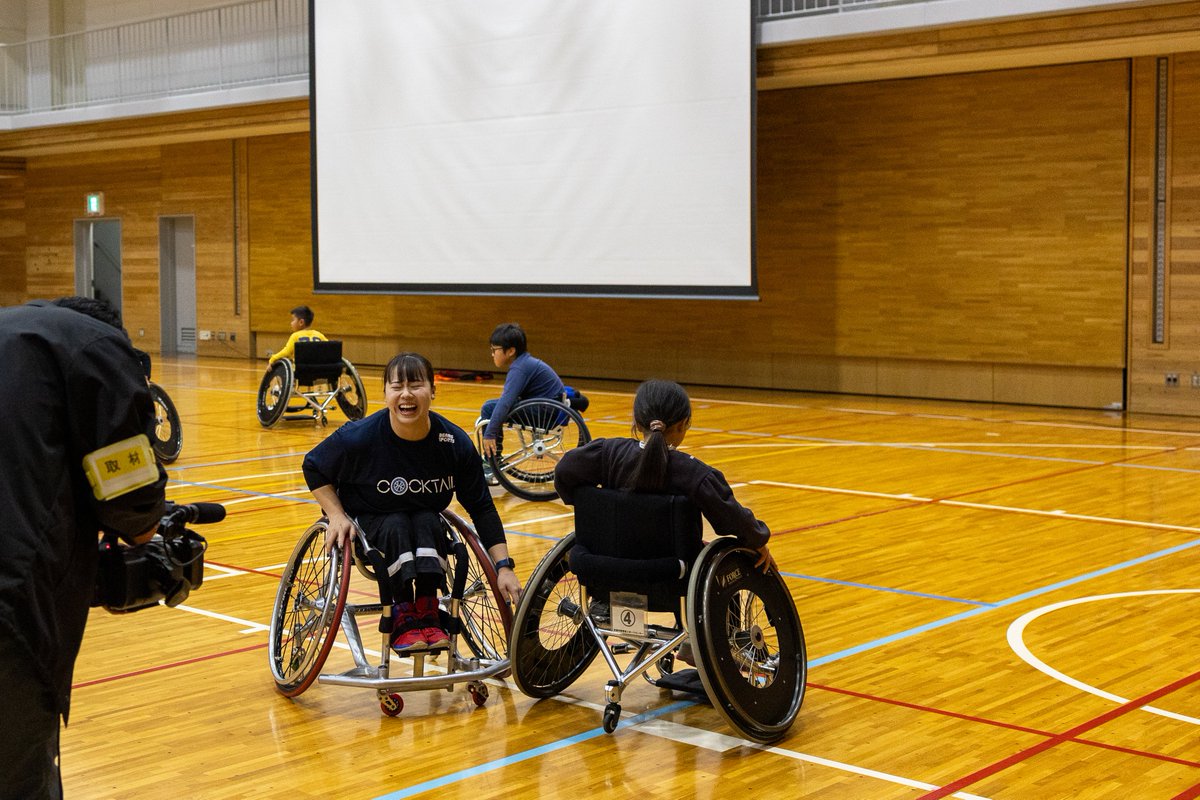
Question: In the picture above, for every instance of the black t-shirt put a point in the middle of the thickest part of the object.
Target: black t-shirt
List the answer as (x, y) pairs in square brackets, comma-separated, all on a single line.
[(374, 471), (73, 385), (610, 463)]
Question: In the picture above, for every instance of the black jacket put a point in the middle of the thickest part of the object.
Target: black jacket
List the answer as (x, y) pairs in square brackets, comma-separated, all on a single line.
[(72, 385)]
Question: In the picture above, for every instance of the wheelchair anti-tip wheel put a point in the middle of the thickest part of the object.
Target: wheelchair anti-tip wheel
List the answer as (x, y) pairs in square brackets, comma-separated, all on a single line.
[(168, 434), (274, 392), (308, 611), (550, 647), (352, 397), (536, 435), (749, 643)]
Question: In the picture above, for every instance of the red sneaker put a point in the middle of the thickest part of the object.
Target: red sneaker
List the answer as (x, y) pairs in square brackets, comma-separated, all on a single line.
[(406, 630), (432, 632)]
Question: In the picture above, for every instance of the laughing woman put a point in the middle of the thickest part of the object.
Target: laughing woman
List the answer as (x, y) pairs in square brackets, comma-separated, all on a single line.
[(392, 473)]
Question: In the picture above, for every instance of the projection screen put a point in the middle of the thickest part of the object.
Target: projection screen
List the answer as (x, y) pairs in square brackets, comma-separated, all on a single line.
[(528, 147)]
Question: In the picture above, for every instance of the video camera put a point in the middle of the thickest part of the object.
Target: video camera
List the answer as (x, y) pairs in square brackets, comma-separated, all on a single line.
[(166, 568)]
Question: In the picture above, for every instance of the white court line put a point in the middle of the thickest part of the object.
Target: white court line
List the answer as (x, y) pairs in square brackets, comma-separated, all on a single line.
[(1016, 640), (722, 743), (835, 490), (1058, 513), (685, 734)]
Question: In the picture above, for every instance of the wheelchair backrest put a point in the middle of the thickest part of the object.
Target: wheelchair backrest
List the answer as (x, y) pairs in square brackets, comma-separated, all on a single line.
[(627, 541), (317, 360)]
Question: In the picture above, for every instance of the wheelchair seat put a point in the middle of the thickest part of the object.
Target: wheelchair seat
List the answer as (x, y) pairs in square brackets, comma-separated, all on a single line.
[(318, 360), (318, 378), (642, 553), (663, 531)]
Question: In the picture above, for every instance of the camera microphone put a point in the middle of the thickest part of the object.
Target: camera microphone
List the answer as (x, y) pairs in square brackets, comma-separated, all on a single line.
[(197, 513)]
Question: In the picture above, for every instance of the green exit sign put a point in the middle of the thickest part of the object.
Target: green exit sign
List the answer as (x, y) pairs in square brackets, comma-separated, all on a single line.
[(95, 204)]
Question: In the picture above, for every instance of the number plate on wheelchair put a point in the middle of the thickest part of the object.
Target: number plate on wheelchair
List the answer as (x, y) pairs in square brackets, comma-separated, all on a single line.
[(628, 612)]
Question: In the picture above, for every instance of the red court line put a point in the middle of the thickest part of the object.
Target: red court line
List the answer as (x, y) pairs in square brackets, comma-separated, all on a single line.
[(1000, 724), (1188, 794), (1068, 735), (172, 665)]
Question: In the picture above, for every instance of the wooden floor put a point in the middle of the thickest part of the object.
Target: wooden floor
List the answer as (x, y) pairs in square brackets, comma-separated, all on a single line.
[(998, 601)]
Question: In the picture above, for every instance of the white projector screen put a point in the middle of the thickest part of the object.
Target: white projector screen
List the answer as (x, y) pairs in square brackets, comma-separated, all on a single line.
[(601, 147)]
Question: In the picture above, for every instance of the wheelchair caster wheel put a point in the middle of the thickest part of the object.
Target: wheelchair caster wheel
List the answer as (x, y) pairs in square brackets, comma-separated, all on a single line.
[(391, 704), (479, 692), (612, 713)]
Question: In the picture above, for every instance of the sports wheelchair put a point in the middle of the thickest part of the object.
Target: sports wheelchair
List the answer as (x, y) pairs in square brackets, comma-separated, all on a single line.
[(319, 377), (590, 590), (535, 435), (311, 605)]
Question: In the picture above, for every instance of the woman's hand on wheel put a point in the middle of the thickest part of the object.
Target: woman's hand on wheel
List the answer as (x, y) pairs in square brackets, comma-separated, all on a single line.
[(766, 561)]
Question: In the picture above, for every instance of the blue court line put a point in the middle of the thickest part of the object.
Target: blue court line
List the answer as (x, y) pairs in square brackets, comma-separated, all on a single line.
[(928, 626), (887, 589), (516, 758)]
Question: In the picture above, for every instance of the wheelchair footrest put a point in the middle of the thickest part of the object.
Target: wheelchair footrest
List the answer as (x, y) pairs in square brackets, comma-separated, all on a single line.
[(687, 680)]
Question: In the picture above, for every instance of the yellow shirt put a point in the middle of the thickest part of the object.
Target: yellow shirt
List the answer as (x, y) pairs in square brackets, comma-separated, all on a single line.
[(302, 335)]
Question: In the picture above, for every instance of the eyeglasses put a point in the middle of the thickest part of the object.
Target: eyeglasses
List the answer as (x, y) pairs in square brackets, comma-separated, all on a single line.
[(494, 348)]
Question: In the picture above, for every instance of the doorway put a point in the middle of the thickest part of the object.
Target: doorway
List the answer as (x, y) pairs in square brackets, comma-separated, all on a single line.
[(177, 283), (98, 260)]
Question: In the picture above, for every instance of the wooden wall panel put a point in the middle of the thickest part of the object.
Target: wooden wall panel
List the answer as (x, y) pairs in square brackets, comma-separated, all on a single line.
[(12, 231), (921, 231), (1078, 35), (1179, 354)]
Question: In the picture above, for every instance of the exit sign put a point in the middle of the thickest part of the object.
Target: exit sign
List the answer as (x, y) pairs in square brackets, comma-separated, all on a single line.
[(95, 204)]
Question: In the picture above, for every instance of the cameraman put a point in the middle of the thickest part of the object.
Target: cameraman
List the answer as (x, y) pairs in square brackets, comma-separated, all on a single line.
[(73, 386)]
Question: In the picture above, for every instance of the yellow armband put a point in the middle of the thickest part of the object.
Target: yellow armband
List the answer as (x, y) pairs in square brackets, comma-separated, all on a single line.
[(121, 467)]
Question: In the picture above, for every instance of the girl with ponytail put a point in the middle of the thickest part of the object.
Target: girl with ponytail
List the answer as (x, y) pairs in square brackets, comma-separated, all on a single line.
[(662, 414)]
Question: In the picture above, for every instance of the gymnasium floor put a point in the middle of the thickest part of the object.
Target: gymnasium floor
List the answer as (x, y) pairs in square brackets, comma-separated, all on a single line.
[(998, 601)]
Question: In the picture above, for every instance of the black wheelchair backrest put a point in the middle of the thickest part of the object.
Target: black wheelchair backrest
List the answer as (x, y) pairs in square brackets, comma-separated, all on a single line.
[(317, 360), (626, 541)]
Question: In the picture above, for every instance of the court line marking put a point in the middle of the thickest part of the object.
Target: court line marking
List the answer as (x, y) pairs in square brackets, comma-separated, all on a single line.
[(911, 498), (997, 723), (1067, 735), (934, 624), (1016, 640)]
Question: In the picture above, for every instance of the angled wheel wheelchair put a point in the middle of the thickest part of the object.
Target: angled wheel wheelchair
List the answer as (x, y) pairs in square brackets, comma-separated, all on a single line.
[(308, 387), (312, 604), (635, 554), (534, 437)]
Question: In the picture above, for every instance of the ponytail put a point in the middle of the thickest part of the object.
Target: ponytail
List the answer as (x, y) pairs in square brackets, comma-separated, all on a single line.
[(657, 406)]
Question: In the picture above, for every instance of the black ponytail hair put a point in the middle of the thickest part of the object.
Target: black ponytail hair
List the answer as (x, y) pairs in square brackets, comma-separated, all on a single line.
[(657, 406)]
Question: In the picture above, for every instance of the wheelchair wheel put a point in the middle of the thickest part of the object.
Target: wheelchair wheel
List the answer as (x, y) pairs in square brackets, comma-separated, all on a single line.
[(352, 397), (536, 434), (168, 435), (274, 392), (308, 611), (550, 647), (486, 619), (750, 646)]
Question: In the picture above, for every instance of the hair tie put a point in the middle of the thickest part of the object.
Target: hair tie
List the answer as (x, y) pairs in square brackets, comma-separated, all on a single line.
[(657, 425)]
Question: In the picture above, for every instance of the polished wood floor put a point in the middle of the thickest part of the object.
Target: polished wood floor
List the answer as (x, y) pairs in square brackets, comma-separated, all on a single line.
[(998, 601)]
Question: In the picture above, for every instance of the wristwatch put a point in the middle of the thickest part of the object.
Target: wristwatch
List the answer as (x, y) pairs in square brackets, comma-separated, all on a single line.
[(506, 562)]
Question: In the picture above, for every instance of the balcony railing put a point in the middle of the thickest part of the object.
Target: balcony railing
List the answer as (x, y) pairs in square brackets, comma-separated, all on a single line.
[(251, 43), (259, 43)]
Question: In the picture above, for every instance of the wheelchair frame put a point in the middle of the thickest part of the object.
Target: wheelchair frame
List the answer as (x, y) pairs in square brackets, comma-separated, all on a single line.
[(278, 387), (742, 624), (311, 604), (544, 430)]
